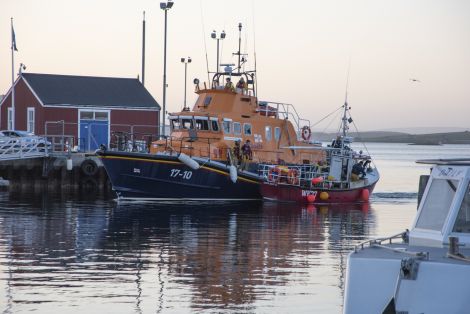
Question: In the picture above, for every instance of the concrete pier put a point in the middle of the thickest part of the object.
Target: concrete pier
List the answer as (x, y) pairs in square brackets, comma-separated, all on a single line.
[(84, 174)]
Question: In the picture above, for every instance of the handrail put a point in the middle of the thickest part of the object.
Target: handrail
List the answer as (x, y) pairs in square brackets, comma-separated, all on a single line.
[(378, 241), (284, 113)]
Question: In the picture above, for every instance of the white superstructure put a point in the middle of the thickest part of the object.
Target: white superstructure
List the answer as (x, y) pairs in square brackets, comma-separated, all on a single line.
[(426, 269)]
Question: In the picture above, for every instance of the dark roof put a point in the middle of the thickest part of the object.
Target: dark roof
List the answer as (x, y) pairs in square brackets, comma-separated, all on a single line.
[(69, 90)]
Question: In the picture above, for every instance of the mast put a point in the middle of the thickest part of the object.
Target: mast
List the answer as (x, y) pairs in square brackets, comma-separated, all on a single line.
[(239, 46)]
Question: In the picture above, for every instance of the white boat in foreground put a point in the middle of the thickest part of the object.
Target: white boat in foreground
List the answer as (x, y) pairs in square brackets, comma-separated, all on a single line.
[(425, 269)]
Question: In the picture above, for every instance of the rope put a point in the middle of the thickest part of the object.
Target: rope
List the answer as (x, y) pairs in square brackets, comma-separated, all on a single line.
[(362, 141)]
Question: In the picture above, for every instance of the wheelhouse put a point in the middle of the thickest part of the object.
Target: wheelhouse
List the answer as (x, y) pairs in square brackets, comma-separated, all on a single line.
[(444, 210)]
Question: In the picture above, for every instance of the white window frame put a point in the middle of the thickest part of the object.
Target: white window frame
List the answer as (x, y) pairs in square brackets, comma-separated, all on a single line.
[(30, 122), (10, 118)]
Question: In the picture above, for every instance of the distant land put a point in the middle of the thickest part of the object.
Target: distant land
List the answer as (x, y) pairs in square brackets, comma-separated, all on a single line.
[(401, 137)]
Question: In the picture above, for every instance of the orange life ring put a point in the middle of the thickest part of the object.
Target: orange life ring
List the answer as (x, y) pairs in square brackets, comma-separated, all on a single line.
[(293, 177), (306, 133), (274, 174)]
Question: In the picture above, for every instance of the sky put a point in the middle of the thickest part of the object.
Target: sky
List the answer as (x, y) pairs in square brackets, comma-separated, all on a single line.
[(303, 51)]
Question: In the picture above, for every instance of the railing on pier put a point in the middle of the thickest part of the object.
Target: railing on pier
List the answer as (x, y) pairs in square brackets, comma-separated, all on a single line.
[(21, 148)]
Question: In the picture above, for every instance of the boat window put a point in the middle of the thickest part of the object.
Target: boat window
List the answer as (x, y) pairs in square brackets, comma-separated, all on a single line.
[(175, 124), (437, 204), (215, 125), (247, 128), (187, 124), (237, 128), (227, 127), (269, 134), (462, 223), (207, 101), (202, 125), (277, 134)]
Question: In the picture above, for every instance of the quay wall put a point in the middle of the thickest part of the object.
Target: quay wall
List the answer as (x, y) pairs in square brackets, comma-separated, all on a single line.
[(51, 174)]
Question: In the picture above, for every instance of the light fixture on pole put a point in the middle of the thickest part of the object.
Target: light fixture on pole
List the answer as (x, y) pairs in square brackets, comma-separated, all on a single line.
[(185, 62), (218, 38), (165, 6)]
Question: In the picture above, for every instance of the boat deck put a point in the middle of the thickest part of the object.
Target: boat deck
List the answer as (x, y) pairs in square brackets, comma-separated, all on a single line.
[(392, 252)]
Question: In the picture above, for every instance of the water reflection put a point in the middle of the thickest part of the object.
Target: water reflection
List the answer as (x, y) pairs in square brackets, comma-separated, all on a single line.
[(74, 254)]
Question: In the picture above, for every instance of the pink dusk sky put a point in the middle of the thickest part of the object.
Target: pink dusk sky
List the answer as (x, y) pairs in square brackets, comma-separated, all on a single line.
[(303, 50)]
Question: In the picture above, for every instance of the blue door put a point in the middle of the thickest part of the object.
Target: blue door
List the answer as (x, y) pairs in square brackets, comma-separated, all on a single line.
[(93, 133)]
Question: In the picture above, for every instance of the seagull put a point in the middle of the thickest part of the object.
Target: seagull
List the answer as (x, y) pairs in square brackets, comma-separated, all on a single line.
[(415, 80)]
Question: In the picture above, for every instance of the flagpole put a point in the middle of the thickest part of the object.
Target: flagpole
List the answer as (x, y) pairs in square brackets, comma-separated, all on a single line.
[(12, 79)]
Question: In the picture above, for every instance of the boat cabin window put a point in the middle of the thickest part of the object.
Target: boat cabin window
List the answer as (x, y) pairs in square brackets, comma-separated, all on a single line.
[(437, 204), (187, 124), (215, 125), (269, 134), (462, 223), (175, 124), (247, 128), (202, 124), (277, 134), (237, 128), (227, 125), (207, 101)]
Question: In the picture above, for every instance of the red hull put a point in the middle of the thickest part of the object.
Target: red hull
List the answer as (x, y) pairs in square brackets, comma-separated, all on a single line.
[(291, 193)]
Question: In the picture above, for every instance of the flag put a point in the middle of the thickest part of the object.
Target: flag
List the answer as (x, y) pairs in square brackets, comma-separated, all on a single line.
[(13, 39)]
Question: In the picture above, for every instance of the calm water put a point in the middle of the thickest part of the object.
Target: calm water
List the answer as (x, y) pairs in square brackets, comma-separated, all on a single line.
[(62, 254)]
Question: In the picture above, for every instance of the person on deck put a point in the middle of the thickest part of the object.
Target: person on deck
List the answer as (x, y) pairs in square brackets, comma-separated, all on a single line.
[(236, 154), (358, 169), (241, 85), (247, 154), (229, 85)]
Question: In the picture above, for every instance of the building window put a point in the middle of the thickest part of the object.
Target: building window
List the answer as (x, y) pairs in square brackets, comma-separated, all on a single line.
[(86, 115), (277, 134), (247, 128), (30, 123), (10, 119), (269, 134), (237, 128)]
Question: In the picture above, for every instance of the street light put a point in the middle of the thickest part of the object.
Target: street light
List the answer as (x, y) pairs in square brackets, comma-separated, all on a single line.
[(185, 62), (221, 37), (165, 6)]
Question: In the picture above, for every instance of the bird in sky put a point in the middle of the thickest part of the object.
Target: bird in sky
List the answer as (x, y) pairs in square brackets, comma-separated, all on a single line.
[(415, 80)]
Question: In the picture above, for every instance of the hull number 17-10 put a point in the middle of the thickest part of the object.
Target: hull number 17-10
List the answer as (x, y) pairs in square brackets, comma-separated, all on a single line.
[(177, 173)]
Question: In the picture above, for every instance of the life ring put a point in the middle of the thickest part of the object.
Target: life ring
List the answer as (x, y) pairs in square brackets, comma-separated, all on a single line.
[(306, 133), (274, 174), (293, 177), (89, 167)]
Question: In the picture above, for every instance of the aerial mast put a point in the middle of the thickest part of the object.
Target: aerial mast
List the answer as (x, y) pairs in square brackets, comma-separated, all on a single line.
[(239, 46)]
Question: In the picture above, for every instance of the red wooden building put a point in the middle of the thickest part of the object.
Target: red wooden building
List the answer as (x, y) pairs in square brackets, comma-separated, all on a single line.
[(88, 109)]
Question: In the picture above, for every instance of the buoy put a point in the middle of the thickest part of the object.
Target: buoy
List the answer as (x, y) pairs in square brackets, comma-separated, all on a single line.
[(188, 161), (317, 180), (324, 196), (365, 195), (311, 198), (233, 173), (69, 164)]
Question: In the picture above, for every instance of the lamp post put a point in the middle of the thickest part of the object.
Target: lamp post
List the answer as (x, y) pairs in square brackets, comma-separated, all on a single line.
[(221, 37), (165, 6), (185, 62)]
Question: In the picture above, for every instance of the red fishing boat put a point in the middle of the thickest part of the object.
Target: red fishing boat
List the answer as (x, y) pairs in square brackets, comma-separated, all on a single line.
[(343, 176)]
